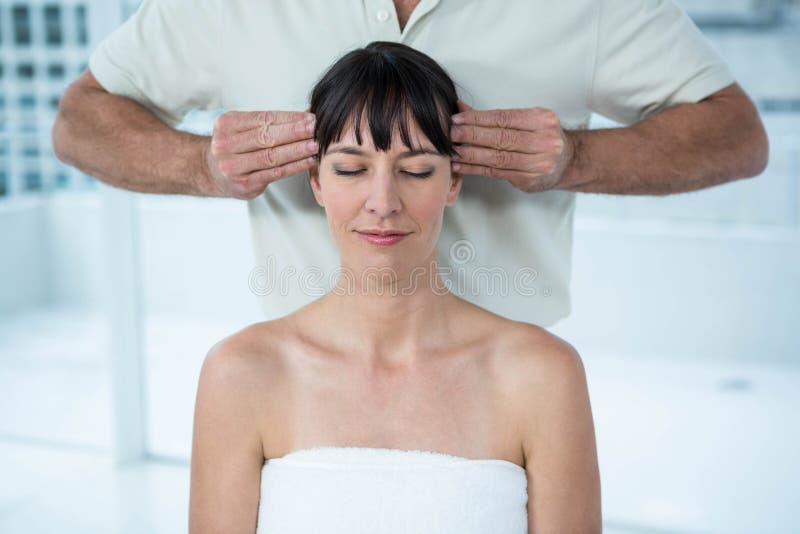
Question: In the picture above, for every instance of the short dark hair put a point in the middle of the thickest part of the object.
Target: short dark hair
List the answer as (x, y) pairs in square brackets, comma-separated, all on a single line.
[(394, 83)]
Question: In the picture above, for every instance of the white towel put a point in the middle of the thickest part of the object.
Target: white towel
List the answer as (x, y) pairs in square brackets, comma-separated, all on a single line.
[(355, 490)]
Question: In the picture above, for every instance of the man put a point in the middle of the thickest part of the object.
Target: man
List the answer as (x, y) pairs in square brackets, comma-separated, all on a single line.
[(529, 73)]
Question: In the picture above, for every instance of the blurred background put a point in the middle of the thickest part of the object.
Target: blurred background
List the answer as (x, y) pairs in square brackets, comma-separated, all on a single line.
[(684, 310)]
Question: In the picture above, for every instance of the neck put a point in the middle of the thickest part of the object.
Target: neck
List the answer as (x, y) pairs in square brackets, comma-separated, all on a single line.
[(404, 9), (391, 323)]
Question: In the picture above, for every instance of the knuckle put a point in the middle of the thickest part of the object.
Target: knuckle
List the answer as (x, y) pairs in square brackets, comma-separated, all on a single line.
[(221, 122), (226, 167), (266, 137), (218, 146), (501, 158), (506, 139), (269, 158), (266, 117), (503, 118)]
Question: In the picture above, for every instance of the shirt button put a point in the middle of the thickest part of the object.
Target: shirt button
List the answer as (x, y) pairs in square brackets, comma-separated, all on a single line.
[(382, 15)]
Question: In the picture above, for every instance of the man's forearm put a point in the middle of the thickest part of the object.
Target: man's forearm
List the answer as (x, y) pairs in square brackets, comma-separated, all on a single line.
[(684, 148), (125, 145)]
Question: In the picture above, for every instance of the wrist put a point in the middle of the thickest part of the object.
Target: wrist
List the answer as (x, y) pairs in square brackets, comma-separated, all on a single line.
[(576, 171), (204, 181)]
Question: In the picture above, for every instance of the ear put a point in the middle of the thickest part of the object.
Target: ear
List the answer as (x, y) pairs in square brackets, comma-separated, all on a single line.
[(455, 187), (313, 181)]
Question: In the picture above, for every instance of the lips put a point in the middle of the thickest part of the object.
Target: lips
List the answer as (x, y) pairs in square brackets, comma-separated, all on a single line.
[(382, 232), (384, 239)]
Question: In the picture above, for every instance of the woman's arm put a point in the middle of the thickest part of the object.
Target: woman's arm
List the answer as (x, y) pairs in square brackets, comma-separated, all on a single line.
[(558, 439), (227, 452)]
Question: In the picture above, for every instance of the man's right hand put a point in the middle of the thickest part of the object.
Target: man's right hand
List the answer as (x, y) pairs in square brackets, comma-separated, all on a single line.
[(251, 149)]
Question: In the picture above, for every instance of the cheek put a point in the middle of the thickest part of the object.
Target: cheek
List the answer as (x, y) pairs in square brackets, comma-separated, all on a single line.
[(339, 202), (429, 207)]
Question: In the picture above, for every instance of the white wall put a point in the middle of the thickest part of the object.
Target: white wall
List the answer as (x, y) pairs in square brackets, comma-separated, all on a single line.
[(196, 256), (22, 269), (690, 291)]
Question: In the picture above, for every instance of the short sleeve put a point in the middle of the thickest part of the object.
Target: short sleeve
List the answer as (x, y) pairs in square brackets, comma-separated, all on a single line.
[(651, 56), (166, 56)]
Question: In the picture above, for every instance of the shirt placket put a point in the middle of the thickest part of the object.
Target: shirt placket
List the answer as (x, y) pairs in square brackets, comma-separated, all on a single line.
[(382, 19)]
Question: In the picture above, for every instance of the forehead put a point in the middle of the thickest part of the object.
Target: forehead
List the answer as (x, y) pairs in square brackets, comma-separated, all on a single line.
[(418, 139)]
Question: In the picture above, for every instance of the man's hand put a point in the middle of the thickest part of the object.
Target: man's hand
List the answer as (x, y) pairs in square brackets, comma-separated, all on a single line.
[(251, 149), (525, 146)]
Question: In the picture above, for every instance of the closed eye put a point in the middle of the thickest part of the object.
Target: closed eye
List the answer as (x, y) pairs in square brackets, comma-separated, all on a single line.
[(414, 174)]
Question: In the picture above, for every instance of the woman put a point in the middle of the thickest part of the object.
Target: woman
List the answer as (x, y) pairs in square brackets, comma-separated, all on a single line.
[(390, 404)]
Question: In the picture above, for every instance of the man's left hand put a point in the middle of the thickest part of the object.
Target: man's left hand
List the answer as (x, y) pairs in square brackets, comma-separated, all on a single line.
[(525, 146)]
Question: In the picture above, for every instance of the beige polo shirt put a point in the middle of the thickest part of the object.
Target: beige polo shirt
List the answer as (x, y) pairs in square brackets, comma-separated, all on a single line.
[(501, 248)]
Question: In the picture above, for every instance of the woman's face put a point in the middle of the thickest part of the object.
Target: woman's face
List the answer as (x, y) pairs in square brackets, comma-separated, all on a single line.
[(363, 189)]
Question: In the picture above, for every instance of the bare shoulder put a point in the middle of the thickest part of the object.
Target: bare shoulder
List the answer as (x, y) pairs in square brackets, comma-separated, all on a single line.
[(542, 373), (252, 348), (530, 355), (546, 380), (247, 367), (228, 440)]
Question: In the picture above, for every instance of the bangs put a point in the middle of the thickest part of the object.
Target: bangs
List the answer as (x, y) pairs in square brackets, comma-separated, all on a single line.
[(390, 85)]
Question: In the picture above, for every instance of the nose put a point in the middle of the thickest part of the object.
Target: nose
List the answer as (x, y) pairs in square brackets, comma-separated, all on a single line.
[(383, 199)]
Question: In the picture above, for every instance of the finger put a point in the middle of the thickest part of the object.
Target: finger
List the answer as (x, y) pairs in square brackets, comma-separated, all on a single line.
[(504, 159), (507, 138), (266, 177), (266, 137), (519, 118), (491, 172), (240, 121), (463, 106), (270, 158)]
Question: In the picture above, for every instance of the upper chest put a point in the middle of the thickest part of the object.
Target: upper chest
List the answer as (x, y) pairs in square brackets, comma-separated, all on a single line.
[(458, 406)]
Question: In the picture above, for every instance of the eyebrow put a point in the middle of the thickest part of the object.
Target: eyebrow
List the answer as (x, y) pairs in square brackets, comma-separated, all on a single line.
[(350, 149)]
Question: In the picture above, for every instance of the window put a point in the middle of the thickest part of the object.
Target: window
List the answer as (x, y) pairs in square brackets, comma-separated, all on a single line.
[(80, 24), (25, 71), (31, 151), (61, 180), (21, 17), (27, 101), (55, 70), (32, 181), (52, 25)]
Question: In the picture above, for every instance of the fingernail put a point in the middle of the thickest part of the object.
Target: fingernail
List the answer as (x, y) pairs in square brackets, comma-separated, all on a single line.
[(458, 119), (312, 145), (456, 166), (310, 116)]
